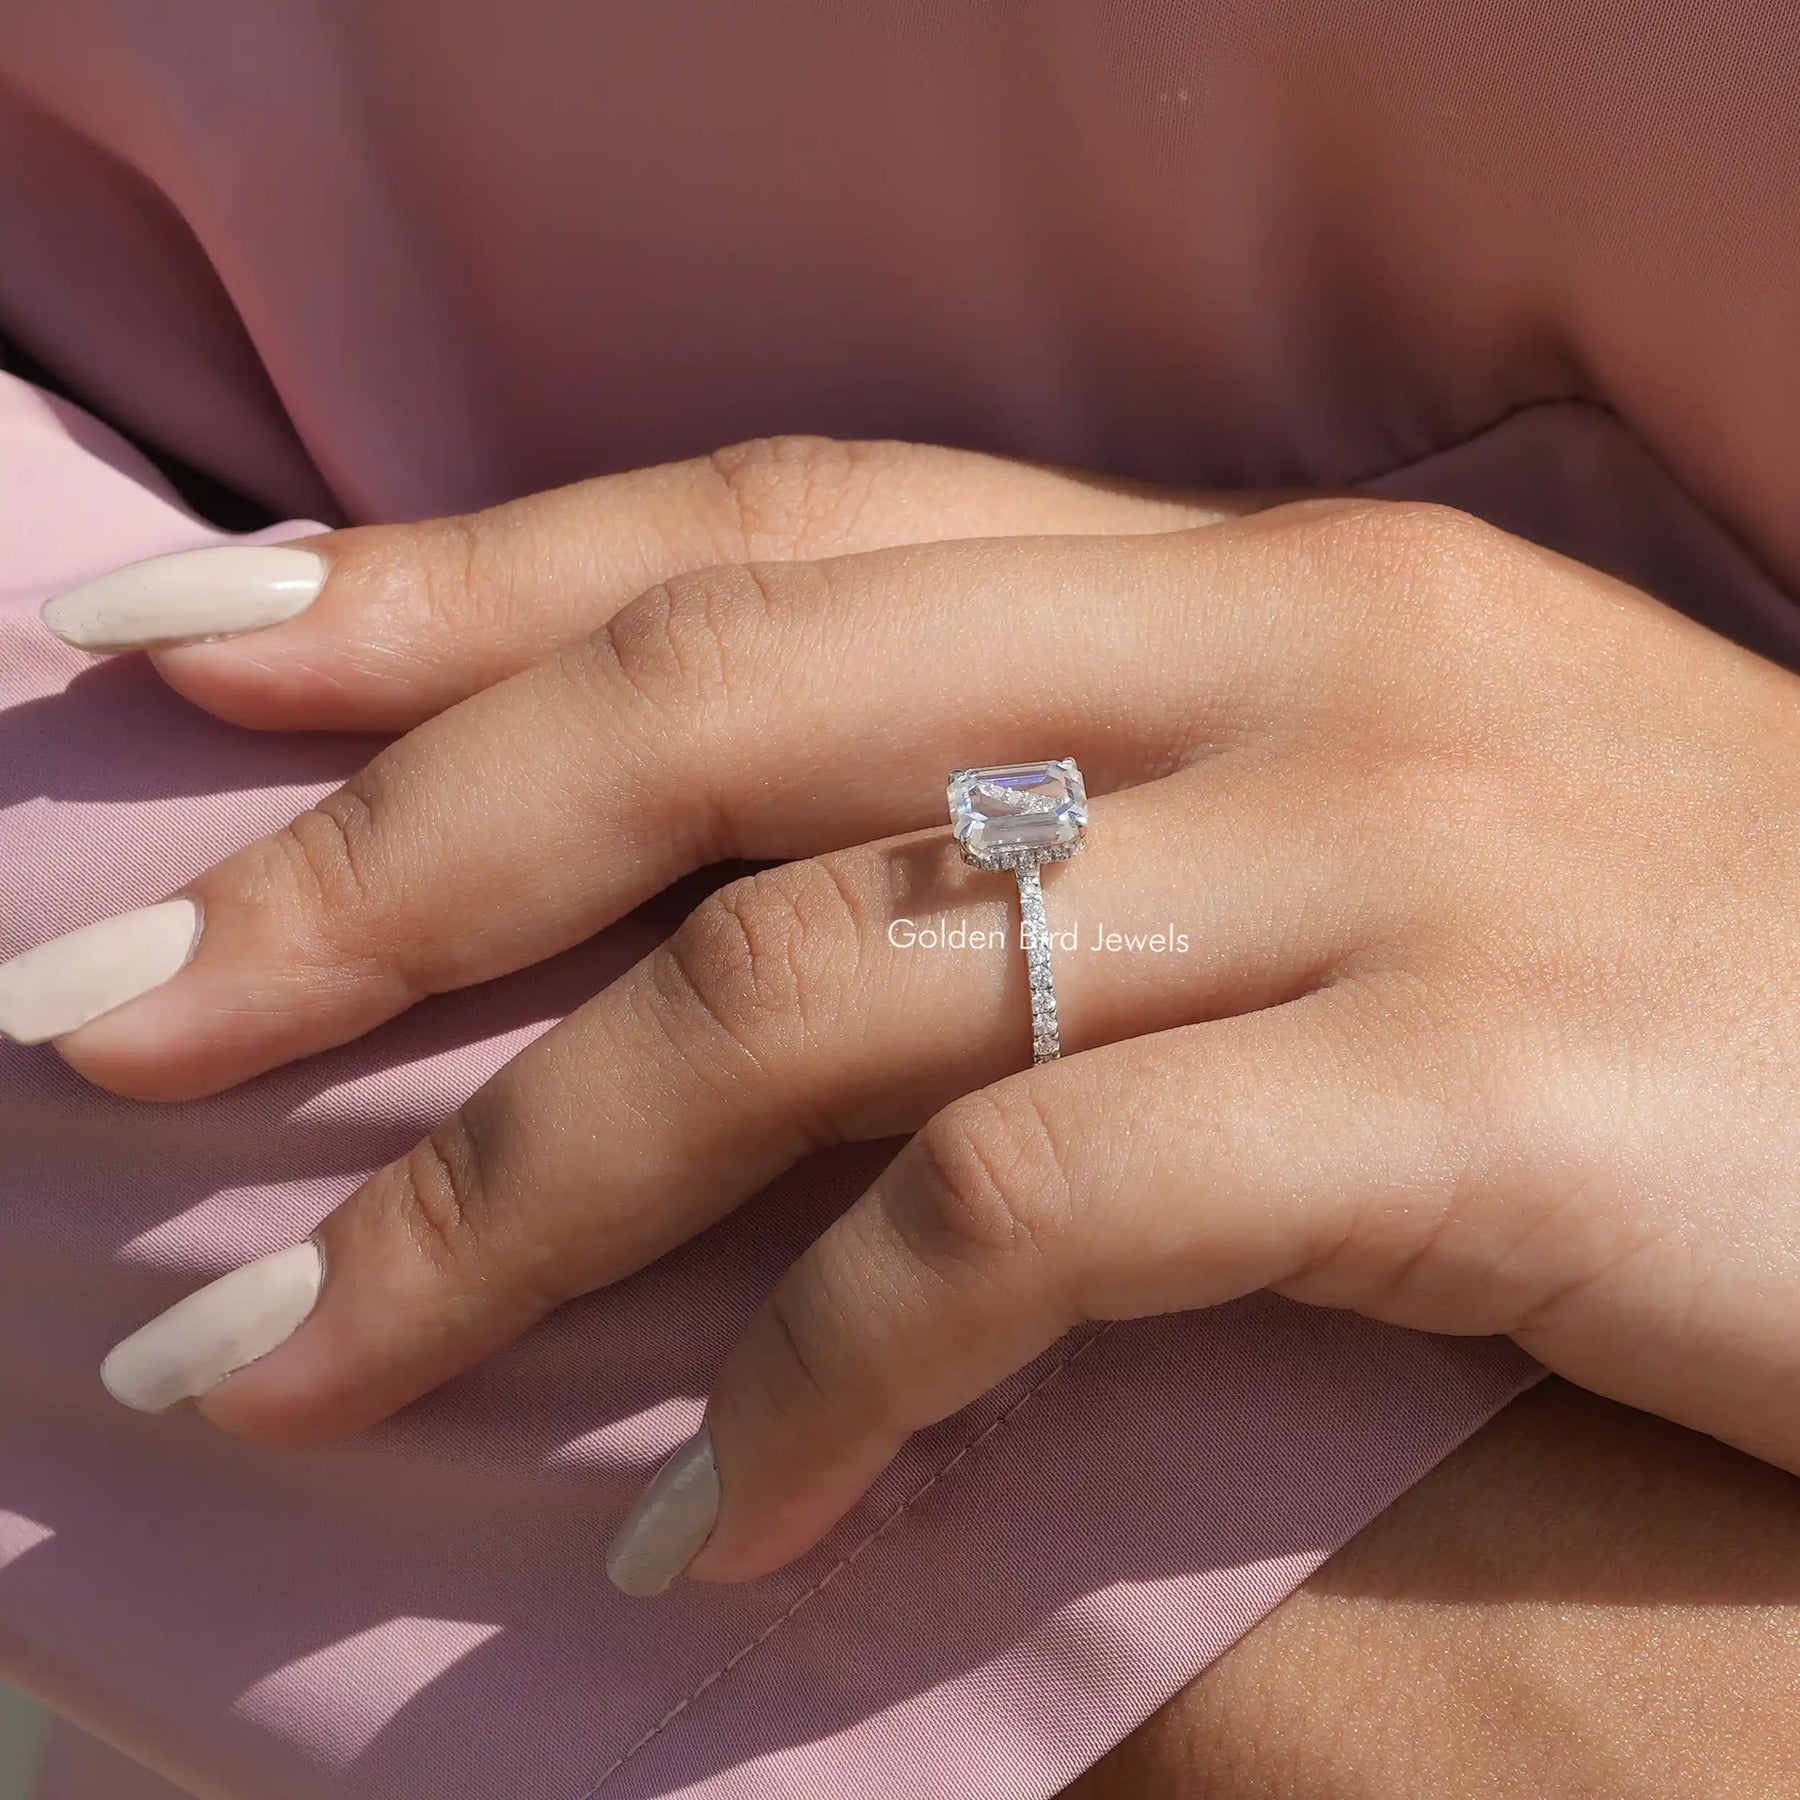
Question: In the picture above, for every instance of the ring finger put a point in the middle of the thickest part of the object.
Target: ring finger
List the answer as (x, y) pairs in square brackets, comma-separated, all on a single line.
[(800, 1006)]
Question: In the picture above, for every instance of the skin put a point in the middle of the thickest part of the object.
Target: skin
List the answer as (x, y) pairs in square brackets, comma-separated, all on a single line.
[(1485, 862), (1583, 1601)]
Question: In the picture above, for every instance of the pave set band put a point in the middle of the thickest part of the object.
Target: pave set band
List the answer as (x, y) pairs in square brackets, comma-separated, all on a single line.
[(1019, 816)]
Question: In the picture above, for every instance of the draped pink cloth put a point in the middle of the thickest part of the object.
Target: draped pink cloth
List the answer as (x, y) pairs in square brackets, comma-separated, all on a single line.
[(396, 257)]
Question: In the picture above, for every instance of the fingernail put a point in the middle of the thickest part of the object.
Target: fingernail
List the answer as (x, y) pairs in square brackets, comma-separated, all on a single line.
[(56, 987), (226, 1326), (672, 1520), (194, 594)]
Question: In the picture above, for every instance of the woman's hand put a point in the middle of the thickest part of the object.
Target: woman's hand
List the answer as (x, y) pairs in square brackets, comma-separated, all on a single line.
[(1486, 868)]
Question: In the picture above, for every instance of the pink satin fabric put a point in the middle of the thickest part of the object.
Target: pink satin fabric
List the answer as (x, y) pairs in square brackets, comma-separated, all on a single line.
[(394, 258)]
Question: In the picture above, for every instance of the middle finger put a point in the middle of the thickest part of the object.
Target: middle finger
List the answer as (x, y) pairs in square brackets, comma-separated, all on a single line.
[(765, 711)]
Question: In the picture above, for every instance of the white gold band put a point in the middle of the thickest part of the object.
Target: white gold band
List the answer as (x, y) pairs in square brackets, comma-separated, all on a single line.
[(1034, 930)]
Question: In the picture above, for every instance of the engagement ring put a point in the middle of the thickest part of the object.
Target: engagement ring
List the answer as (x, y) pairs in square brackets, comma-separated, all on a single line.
[(1018, 816)]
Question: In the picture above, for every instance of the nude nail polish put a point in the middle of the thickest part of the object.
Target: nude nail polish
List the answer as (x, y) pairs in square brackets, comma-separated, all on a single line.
[(58, 986), (188, 597), (670, 1524), (223, 1327)]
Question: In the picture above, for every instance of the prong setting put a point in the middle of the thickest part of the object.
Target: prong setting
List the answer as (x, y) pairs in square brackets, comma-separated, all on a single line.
[(1017, 817), (1012, 813)]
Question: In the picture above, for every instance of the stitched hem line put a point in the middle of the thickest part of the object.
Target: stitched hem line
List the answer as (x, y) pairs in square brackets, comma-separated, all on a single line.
[(837, 1568)]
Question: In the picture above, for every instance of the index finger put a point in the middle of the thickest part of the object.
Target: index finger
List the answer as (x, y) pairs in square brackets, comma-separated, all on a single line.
[(381, 626)]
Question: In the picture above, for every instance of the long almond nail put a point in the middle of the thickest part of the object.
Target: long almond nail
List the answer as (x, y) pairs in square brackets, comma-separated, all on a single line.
[(59, 986), (194, 594), (671, 1522), (224, 1327)]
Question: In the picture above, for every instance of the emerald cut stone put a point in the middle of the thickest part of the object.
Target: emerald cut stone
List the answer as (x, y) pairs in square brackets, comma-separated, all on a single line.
[(1018, 810)]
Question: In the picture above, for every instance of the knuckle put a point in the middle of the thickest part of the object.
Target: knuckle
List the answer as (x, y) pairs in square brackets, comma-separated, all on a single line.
[(458, 1199), (664, 646), (461, 568), (797, 1370), (1396, 530), (695, 640), (992, 1182), (1417, 555), (765, 957), (695, 667), (1442, 554), (332, 850), (1426, 607), (440, 1193), (787, 493)]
